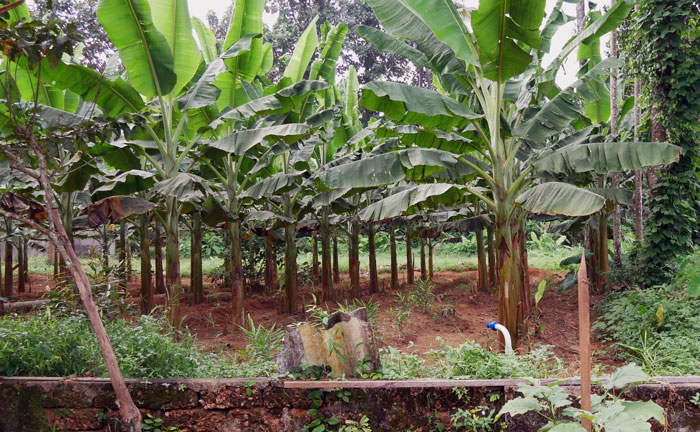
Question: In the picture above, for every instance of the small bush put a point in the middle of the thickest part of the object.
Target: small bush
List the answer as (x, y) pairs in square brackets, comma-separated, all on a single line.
[(47, 345)]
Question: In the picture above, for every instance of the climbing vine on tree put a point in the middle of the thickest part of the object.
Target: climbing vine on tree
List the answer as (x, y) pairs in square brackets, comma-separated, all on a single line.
[(663, 45)]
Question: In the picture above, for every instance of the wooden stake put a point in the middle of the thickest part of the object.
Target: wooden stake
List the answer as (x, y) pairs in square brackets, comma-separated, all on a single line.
[(584, 331)]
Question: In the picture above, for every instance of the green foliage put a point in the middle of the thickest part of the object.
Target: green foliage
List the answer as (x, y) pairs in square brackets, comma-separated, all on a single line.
[(662, 50), (609, 411), (155, 424), (656, 327), (479, 419), (262, 342), (421, 296), (371, 306), (48, 345), (547, 242), (401, 313), (468, 361)]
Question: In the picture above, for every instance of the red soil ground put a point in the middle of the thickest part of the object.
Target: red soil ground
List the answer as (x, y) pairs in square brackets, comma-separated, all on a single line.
[(556, 323)]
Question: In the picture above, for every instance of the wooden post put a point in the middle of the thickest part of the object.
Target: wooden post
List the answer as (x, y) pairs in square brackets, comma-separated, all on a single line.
[(584, 331)]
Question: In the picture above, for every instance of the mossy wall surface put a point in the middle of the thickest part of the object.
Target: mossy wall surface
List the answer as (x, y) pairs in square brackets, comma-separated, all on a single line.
[(47, 404)]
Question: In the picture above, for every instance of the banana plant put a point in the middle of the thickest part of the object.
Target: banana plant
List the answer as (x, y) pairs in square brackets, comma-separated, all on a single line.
[(494, 66)]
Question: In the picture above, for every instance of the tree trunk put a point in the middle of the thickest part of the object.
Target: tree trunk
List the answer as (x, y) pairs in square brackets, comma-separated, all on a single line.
[(122, 253), (580, 15), (603, 254), (336, 266), (130, 415), (373, 276), (9, 283), (196, 278), (26, 260), (493, 278), (147, 302), (409, 255), (326, 271), (525, 294), (423, 266), (172, 261), (314, 259), (158, 247), (430, 259), (290, 259), (238, 314), (394, 260), (354, 259), (614, 129), (21, 271), (658, 134), (270, 263), (508, 260), (638, 180), (483, 282)]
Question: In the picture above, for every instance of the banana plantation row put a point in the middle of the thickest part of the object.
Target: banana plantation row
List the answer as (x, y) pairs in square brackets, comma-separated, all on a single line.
[(180, 129)]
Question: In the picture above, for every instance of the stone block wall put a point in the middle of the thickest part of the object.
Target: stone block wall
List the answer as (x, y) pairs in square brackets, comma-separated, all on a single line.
[(232, 405)]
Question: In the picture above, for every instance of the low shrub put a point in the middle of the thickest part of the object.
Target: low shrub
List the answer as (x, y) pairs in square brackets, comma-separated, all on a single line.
[(48, 345)]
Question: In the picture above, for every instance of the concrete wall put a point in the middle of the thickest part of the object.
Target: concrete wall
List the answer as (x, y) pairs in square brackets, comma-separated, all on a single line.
[(228, 405)]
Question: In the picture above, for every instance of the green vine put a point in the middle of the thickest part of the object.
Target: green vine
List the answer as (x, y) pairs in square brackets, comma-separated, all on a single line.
[(662, 46)]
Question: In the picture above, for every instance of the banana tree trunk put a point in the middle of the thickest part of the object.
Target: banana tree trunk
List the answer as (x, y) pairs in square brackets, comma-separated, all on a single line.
[(270, 263), (336, 265), (614, 129), (326, 271), (236, 272), (508, 261), (147, 302), (9, 283), (373, 276), (104, 242), (26, 260), (493, 280), (354, 259), (481, 262), (196, 281), (172, 262), (122, 253), (525, 293), (409, 255), (290, 259), (158, 248), (314, 259), (394, 260), (423, 267), (430, 258), (603, 252), (20, 265)]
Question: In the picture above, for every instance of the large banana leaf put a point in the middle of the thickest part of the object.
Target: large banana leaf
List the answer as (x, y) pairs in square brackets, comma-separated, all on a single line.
[(386, 43), (303, 51), (501, 28), (444, 20), (403, 23), (407, 104), (562, 109), (329, 52), (113, 97), (144, 51), (172, 19), (207, 40), (184, 187), (283, 101), (274, 185), (385, 169), (203, 92), (399, 203), (114, 209), (241, 141), (608, 157), (247, 19), (127, 183), (556, 198)]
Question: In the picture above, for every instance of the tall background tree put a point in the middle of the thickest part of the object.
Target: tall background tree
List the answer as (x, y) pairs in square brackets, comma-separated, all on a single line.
[(97, 48)]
